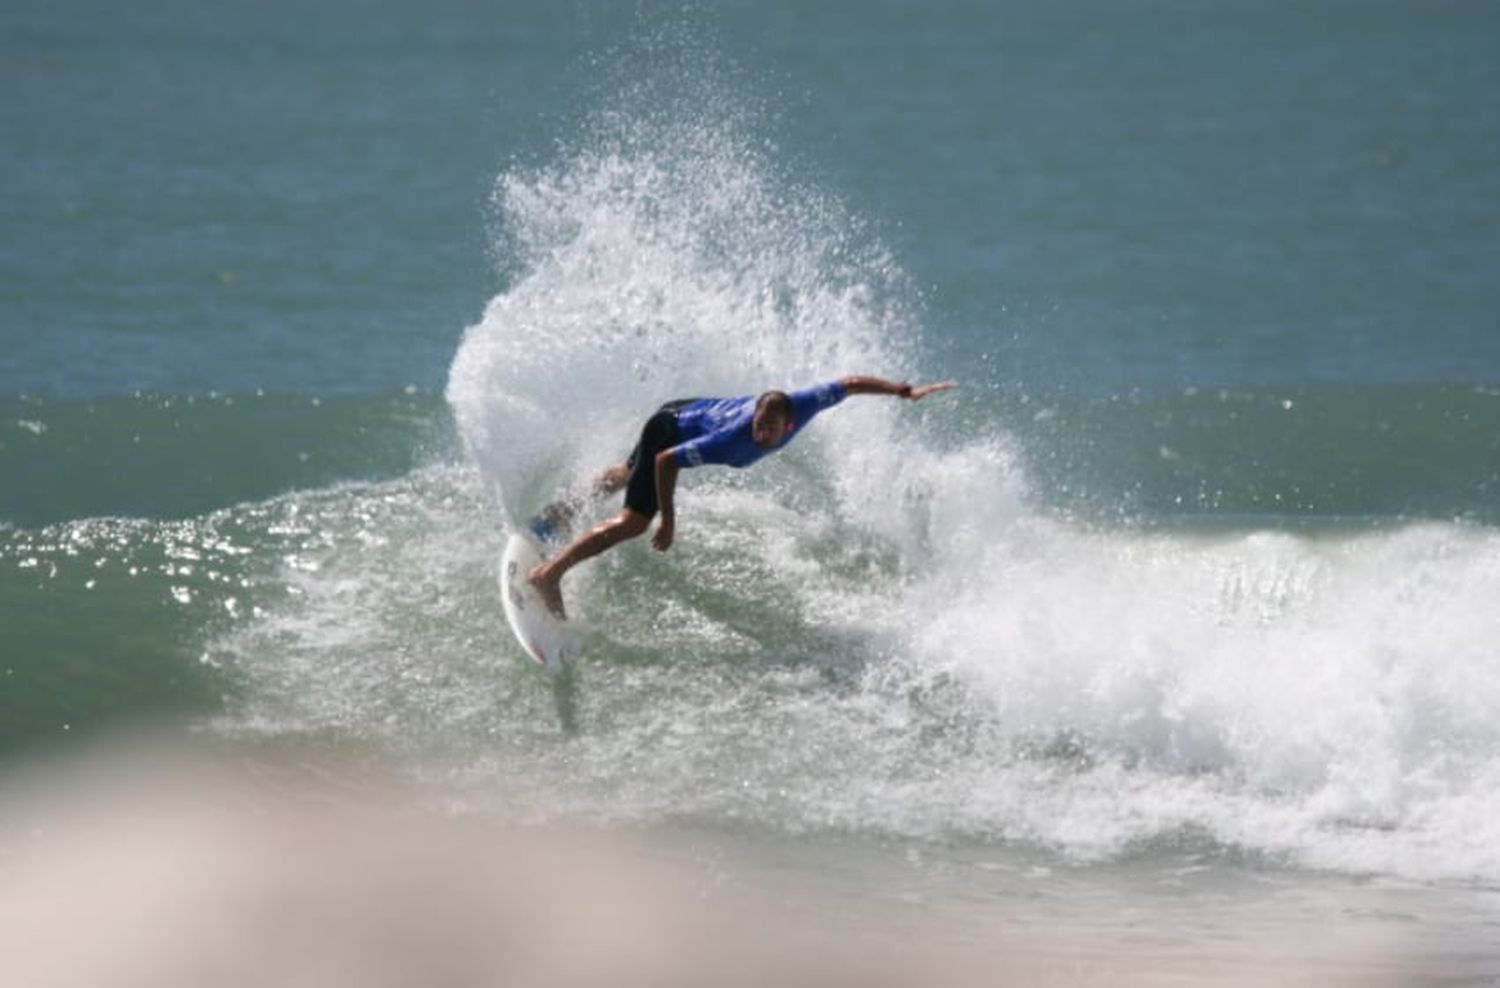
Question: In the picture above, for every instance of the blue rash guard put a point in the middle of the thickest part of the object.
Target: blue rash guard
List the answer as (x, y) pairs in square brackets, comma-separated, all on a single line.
[(717, 430)]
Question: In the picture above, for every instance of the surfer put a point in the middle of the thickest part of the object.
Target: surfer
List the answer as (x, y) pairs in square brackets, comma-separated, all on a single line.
[(694, 432)]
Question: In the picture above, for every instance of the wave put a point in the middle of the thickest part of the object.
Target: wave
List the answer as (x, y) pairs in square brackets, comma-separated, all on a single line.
[(981, 674), (1314, 701)]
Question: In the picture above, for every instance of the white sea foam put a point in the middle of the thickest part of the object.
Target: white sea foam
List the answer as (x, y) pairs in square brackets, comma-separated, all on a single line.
[(1325, 702), (1326, 699)]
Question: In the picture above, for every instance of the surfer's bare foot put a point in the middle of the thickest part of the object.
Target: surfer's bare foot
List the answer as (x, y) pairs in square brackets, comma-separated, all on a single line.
[(547, 588)]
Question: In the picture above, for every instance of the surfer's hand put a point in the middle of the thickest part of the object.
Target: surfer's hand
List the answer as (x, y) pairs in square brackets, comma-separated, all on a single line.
[(922, 391), (661, 540)]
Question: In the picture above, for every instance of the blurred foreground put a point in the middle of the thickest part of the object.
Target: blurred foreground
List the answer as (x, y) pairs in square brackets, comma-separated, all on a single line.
[(237, 867)]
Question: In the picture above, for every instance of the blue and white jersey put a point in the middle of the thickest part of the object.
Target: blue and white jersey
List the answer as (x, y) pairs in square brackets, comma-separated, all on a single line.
[(717, 430)]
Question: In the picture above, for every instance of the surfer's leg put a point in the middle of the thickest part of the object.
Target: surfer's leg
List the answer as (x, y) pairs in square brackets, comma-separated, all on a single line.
[(637, 477), (611, 479), (547, 578), (553, 522)]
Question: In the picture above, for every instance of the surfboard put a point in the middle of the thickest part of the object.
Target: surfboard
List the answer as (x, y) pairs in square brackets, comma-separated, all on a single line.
[(550, 641)]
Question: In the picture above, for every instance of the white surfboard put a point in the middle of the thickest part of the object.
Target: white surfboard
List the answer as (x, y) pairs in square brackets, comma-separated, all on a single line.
[(549, 640)]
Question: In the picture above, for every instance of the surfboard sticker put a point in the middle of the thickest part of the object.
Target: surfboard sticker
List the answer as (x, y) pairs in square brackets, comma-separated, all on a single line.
[(549, 641)]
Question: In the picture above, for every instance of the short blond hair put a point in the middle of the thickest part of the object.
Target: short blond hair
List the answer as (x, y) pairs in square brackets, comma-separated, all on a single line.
[(778, 403)]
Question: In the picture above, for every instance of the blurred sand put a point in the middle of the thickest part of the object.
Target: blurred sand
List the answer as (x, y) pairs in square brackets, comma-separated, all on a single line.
[(155, 869)]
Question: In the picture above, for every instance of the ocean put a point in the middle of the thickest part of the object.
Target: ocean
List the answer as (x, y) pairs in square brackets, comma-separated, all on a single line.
[(1183, 607)]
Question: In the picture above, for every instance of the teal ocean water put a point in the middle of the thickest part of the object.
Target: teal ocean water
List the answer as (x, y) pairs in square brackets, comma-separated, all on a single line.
[(303, 308)]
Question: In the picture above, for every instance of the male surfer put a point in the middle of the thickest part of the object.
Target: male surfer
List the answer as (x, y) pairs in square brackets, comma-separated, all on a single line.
[(691, 433)]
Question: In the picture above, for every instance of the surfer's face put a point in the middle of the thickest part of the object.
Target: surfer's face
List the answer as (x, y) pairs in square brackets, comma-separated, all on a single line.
[(768, 428)]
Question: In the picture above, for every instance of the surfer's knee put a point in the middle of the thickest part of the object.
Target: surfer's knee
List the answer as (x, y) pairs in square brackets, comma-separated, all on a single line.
[(611, 479), (632, 523)]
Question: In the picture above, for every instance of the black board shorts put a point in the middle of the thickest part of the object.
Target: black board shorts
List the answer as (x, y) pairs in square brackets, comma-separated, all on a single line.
[(659, 433)]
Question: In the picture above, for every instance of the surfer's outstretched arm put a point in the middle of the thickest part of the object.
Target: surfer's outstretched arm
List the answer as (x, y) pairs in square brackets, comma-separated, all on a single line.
[(863, 384)]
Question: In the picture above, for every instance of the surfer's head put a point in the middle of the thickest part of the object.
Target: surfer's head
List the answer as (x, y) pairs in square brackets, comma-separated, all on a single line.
[(773, 419)]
